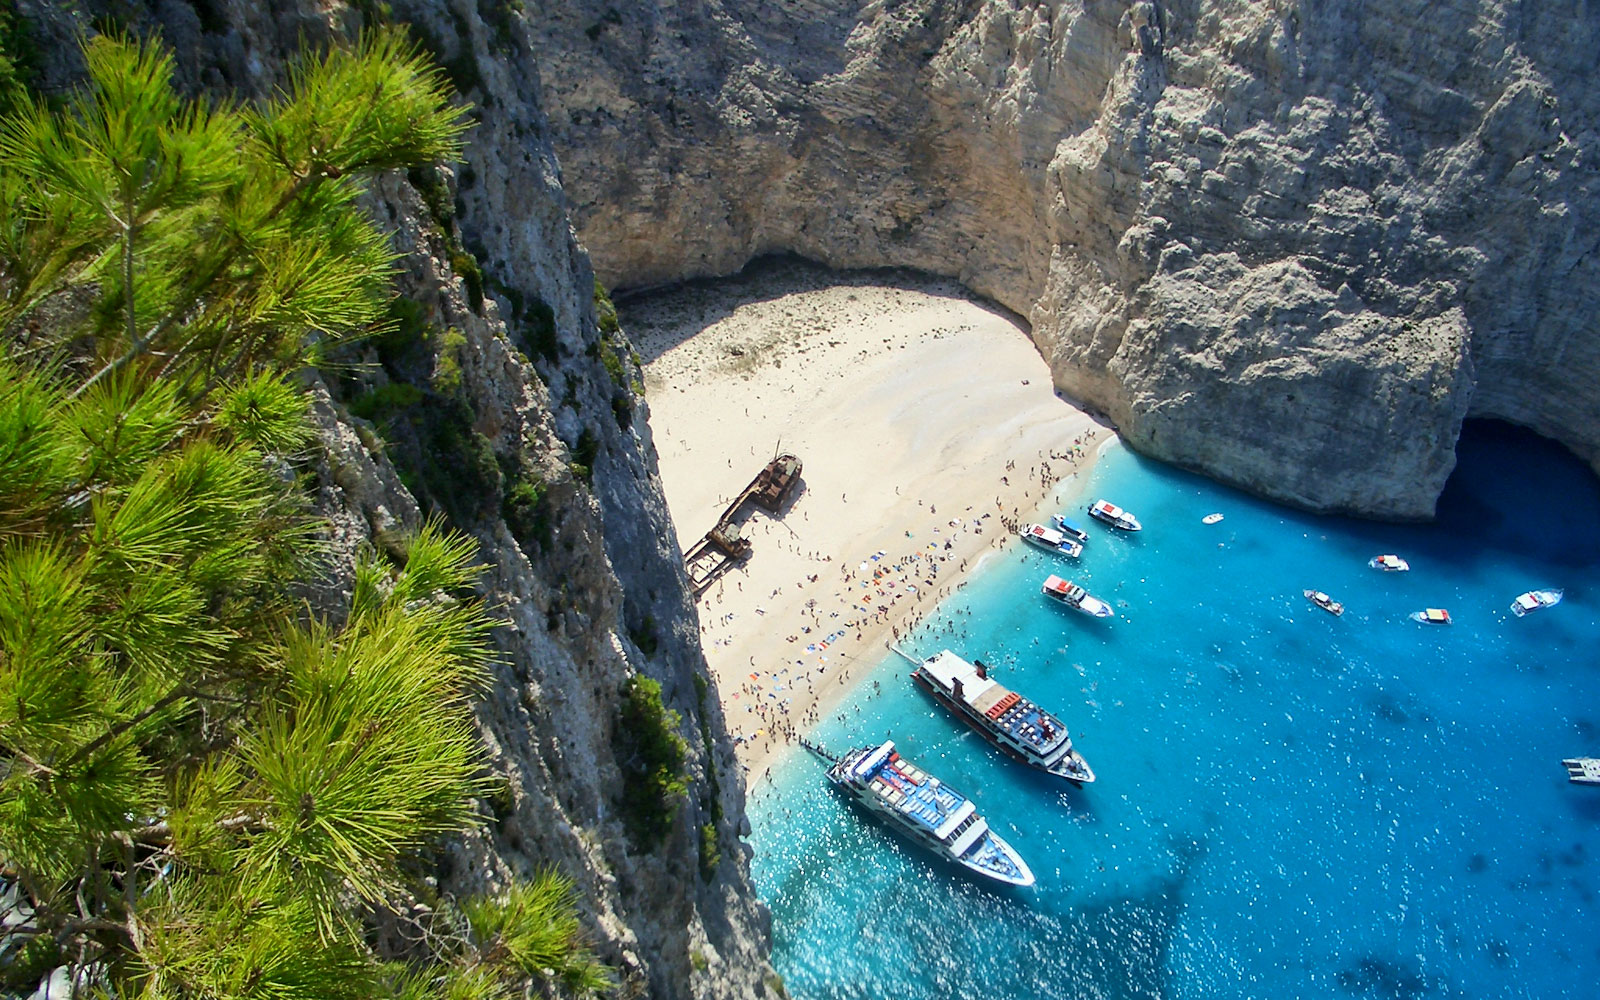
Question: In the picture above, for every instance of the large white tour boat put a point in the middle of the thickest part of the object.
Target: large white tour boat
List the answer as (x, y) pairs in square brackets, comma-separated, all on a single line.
[(1013, 724), (928, 811)]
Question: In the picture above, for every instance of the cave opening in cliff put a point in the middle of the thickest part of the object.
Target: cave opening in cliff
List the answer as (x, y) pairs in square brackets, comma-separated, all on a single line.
[(1502, 466)]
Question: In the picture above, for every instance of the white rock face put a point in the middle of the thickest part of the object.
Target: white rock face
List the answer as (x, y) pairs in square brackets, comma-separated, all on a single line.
[(1290, 244)]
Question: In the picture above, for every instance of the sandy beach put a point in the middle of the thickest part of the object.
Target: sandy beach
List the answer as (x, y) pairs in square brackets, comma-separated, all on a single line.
[(927, 425)]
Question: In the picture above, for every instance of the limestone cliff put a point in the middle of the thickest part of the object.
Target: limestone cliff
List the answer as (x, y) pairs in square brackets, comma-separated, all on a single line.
[(1290, 244), (521, 427)]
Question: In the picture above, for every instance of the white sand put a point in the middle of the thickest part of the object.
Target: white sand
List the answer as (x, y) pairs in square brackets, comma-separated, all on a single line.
[(923, 418)]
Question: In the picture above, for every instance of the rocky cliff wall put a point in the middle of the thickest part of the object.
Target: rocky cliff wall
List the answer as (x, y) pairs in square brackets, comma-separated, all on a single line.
[(529, 436), (1290, 244)]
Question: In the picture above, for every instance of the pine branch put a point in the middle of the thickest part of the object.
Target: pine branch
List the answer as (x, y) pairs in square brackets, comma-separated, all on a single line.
[(160, 834)]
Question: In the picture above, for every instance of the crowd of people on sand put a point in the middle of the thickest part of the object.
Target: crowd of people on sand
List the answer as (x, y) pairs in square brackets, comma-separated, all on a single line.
[(881, 592)]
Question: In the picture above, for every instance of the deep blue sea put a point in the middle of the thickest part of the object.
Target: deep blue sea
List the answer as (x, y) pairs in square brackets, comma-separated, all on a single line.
[(1289, 804)]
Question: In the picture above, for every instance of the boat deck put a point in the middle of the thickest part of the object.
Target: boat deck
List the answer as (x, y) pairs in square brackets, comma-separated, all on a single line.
[(1010, 712), (1583, 770), (913, 792), (1030, 724)]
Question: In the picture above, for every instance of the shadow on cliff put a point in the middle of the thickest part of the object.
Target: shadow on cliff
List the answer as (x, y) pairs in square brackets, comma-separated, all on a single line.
[(675, 313)]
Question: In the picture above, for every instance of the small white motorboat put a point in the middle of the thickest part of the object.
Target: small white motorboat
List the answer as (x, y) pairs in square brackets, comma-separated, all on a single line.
[(1431, 616), (1324, 602), (1211, 519), (1533, 600), (1051, 540), (1115, 516), (1389, 563), (1075, 597)]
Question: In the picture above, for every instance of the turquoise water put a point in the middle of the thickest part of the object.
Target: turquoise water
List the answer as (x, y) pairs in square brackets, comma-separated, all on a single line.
[(1289, 804)]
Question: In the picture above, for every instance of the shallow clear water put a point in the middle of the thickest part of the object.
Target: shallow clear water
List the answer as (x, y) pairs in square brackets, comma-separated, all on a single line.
[(1289, 804)]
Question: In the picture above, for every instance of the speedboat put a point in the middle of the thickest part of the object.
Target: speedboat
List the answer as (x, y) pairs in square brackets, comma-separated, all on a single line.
[(928, 811), (1069, 529), (1389, 563), (1533, 600), (1431, 616), (1075, 597), (1115, 516), (1324, 602), (1010, 722), (1051, 540)]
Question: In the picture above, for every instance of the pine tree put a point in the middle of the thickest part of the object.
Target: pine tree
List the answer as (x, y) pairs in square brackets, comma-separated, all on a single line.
[(204, 790)]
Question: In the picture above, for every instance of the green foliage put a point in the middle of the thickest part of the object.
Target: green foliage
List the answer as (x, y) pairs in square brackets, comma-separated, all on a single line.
[(435, 194), (405, 328), (613, 364), (206, 789), (373, 12), (605, 312), (645, 636), (525, 512), (465, 265), (210, 240), (447, 370), (19, 57), (710, 852), (609, 19), (385, 400), (651, 754), (541, 331), (622, 410), (584, 453), (534, 928), (265, 411), (28, 963), (459, 470)]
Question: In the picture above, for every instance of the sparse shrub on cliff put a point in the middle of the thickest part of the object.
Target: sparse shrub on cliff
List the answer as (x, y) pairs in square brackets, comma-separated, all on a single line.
[(608, 19), (605, 312), (447, 368), (526, 513), (458, 467), (584, 453), (645, 636), (386, 400), (541, 331), (651, 755), (710, 851), (465, 265), (612, 362)]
